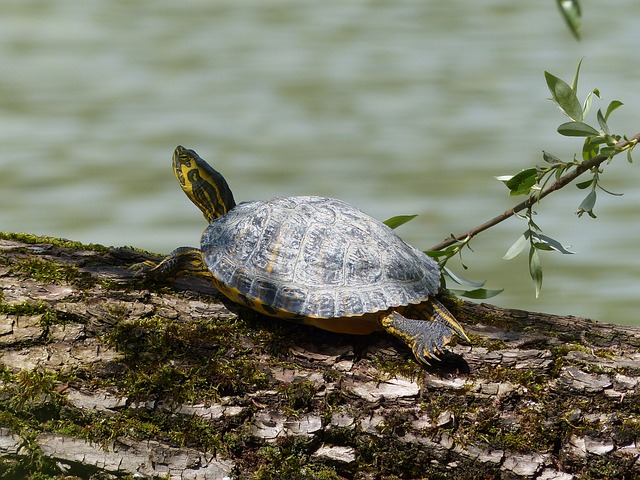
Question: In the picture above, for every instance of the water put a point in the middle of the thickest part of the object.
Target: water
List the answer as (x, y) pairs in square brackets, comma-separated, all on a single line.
[(396, 108)]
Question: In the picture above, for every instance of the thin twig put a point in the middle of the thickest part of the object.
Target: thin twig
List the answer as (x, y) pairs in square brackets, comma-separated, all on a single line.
[(557, 185)]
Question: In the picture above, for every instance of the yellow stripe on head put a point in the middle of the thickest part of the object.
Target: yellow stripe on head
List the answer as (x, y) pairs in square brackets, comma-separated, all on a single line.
[(204, 186)]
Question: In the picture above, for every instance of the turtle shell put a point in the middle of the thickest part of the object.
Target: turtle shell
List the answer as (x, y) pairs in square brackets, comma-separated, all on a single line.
[(315, 257)]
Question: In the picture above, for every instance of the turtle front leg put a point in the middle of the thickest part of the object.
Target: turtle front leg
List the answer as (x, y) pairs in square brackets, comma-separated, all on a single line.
[(182, 261)]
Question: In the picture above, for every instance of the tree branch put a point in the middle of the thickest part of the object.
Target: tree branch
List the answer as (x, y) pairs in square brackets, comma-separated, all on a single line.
[(593, 162)]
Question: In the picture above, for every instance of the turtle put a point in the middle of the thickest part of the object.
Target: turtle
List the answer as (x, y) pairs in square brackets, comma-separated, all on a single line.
[(310, 259)]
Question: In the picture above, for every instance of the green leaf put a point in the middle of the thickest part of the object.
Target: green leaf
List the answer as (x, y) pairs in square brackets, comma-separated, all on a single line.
[(503, 178), (587, 204), (612, 140), (609, 151), (602, 122), (572, 14), (564, 96), (574, 84), (549, 158), (587, 102), (460, 280), (577, 129), (437, 253), (552, 244), (517, 247), (612, 106), (591, 147), (542, 246), (478, 293), (521, 183), (629, 159), (585, 184), (395, 222), (535, 269), (595, 141)]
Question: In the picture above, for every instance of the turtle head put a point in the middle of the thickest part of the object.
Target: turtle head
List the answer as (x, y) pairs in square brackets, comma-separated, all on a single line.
[(204, 186)]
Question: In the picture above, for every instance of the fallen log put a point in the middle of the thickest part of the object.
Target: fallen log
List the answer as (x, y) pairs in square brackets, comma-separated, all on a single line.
[(104, 374)]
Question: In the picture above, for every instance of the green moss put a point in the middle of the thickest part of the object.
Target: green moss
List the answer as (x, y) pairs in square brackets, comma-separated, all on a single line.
[(36, 387), (564, 349), (58, 242), (291, 459), (274, 336), (162, 360), (179, 362), (395, 424), (530, 379), (298, 396), (237, 439), (28, 310), (458, 405), (30, 401), (9, 419), (629, 429), (110, 284), (533, 433), (31, 462), (392, 367), (23, 308), (472, 318), (605, 467), (142, 424), (492, 345), (48, 316), (48, 271), (602, 370), (27, 420), (604, 353), (389, 457)]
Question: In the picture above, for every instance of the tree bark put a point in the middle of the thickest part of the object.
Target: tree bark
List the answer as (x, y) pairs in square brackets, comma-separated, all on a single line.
[(105, 375)]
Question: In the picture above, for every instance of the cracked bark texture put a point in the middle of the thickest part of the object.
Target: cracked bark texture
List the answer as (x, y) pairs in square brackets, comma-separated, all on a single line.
[(106, 376)]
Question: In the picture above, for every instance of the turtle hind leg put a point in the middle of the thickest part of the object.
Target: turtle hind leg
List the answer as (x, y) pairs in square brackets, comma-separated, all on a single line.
[(425, 338), (182, 261), (428, 335)]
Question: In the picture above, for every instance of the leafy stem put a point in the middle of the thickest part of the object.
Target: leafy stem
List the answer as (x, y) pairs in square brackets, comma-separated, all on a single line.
[(561, 182), (600, 145)]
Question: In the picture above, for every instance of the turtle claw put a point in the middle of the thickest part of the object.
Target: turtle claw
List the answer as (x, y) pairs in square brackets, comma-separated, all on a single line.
[(432, 345), (430, 348)]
